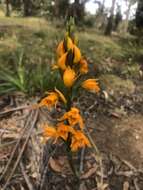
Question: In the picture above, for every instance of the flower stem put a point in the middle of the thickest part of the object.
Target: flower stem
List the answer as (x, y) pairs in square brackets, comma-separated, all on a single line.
[(70, 160)]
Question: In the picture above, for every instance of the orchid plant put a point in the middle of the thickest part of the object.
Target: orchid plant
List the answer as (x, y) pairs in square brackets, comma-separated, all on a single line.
[(72, 66)]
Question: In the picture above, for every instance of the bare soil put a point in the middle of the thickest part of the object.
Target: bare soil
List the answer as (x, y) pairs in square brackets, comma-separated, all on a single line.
[(121, 137)]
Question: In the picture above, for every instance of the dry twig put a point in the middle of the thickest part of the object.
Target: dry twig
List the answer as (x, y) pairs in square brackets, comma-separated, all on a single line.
[(27, 180), (22, 150), (16, 146)]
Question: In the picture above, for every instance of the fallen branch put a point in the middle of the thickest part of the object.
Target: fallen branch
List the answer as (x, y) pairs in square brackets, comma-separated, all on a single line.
[(14, 109)]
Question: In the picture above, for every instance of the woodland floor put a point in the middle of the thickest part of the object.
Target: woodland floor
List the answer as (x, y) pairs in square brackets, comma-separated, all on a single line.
[(113, 120), (117, 133)]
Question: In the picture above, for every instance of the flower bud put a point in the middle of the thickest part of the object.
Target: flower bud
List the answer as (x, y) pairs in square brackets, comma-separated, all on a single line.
[(77, 54), (69, 43), (69, 77), (60, 49), (62, 61)]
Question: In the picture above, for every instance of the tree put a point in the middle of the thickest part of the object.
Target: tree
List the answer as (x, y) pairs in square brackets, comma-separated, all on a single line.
[(139, 15), (101, 15), (118, 17), (101, 6), (27, 5), (63, 7), (130, 3), (7, 2), (77, 10), (16, 4), (109, 26)]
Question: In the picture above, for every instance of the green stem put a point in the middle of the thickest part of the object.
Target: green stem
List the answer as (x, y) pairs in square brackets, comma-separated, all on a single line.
[(69, 97), (68, 142)]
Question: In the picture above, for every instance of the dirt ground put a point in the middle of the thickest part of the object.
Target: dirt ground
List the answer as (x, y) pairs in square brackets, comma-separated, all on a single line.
[(121, 137)]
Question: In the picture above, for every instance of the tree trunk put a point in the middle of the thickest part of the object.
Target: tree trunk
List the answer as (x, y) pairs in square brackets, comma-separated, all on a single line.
[(103, 5), (109, 26), (127, 17), (56, 8), (27, 7), (7, 8)]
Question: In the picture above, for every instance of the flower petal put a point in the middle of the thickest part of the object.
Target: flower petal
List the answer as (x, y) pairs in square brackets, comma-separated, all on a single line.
[(62, 61), (69, 77), (77, 54), (91, 85), (83, 66), (60, 49), (62, 97)]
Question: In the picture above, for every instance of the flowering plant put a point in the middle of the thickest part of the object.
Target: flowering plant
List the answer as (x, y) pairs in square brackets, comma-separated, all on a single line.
[(72, 66)]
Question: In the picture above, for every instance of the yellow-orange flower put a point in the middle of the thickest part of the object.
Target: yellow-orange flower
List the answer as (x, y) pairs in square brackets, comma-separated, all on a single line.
[(49, 132), (69, 77), (62, 61), (79, 140), (91, 85), (50, 100), (63, 130), (73, 116), (83, 66), (60, 49), (69, 43), (77, 54)]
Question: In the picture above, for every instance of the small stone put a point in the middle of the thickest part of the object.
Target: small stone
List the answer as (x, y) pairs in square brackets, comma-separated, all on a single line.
[(137, 137)]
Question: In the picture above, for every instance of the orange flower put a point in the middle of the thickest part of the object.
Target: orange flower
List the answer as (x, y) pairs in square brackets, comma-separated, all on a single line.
[(77, 54), (91, 85), (73, 116), (60, 49), (83, 66), (79, 140), (63, 130), (69, 77), (50, 100), (69, 43), (62, 61), (49, 132)]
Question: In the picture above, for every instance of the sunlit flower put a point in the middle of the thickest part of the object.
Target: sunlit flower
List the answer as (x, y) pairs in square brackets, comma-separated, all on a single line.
[(63, 130), (79, 140), (49, 132), (50, 100), (62, 61), (73, 116), (91, 85), (60, 49), (69, 77), (77, 54), (83, 66)]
